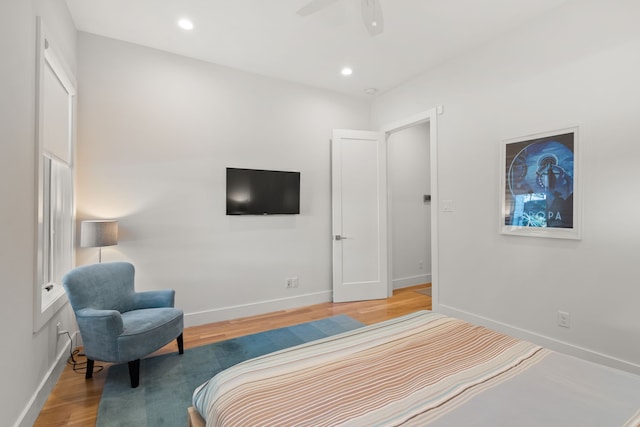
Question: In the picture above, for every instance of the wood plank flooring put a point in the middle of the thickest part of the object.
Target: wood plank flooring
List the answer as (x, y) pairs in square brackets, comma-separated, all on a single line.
[(74, 400)]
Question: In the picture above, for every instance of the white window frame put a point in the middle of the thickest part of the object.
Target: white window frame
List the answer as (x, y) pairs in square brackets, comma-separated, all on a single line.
[(55, 177)]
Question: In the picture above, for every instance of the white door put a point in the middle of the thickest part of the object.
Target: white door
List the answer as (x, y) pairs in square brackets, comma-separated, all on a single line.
[(359, 203)]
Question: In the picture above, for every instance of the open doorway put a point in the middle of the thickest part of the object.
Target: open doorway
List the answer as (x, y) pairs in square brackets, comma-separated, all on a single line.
[(409, 184), (406, 265)]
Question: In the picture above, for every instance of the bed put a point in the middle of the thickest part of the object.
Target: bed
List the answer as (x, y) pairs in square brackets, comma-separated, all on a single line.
[(422, 368)]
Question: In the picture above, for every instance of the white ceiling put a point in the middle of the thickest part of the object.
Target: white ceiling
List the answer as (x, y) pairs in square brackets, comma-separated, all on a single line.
[(268, 37)]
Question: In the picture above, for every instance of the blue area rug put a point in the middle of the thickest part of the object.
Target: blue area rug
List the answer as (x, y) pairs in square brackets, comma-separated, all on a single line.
[(167, 382)]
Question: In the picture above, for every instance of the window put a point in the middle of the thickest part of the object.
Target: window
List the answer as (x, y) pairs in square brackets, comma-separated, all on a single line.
[(55, 132), (57, 227)]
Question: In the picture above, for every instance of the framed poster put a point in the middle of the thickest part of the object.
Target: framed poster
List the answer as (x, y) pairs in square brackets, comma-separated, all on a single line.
[(538, 185)]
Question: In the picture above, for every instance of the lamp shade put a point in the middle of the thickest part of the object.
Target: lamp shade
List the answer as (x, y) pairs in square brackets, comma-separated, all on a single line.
[(98, 233)]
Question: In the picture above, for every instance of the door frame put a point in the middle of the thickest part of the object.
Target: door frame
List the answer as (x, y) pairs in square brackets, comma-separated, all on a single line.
[(429, 116)]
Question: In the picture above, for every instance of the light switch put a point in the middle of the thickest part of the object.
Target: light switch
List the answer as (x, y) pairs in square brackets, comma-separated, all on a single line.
[(447, 205)]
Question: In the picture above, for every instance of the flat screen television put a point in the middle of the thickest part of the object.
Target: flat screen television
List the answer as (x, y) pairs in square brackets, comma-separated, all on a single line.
[(262, 192)]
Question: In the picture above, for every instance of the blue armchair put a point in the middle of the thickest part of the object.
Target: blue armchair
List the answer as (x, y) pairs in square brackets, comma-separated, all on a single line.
[(118, 324)]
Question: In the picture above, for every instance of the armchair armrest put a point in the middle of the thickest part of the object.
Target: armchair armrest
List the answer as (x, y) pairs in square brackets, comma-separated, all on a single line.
[(100, 323), (154, 299), (100, 330)]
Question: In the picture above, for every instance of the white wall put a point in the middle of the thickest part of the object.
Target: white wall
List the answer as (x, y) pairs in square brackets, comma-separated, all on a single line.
[(156, 133), (409, 180), (576, 66), (27, 359)]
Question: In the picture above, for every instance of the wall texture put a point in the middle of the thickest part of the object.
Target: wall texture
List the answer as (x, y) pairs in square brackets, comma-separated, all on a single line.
[(28, 358), (155, 136), (575, 67)]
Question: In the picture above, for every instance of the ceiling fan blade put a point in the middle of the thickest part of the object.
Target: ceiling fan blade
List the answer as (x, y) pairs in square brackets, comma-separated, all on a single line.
[(314, 6), (372, 16)]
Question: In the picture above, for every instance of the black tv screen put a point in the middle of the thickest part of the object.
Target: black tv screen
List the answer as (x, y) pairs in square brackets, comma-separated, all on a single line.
[(262, 192)]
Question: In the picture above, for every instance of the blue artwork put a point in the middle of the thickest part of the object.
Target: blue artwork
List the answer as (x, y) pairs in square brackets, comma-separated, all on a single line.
[(539, 182)]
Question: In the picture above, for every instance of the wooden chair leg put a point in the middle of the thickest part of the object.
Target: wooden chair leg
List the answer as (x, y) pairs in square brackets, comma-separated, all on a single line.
[(89, 372), (134, 373), (180, 344)]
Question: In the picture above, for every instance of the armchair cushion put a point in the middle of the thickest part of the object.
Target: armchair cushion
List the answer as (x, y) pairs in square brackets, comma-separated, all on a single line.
[(148, 328)]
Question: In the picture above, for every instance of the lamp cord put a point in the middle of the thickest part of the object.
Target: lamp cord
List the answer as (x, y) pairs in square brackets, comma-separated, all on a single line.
[(78, 367)]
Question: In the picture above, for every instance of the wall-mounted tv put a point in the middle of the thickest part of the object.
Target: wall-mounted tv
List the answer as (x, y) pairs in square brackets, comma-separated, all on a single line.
[(262, 192)]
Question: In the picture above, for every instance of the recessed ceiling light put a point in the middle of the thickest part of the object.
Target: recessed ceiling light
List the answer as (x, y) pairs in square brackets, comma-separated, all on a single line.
[(185, 24), (346, 71)]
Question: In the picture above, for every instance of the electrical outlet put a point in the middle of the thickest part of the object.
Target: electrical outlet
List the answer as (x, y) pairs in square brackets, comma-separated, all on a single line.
[(564, 319), (421, 265), (294, 282), (289, 283), (59, 330)]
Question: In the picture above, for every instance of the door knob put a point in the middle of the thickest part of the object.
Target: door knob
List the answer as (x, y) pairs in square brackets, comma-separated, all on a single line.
[(339, 237)]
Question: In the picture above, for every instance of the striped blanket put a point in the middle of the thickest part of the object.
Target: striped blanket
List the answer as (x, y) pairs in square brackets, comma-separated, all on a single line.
[(406, 371)]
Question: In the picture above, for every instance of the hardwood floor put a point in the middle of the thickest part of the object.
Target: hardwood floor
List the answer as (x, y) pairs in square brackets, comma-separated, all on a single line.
[(74, 400)]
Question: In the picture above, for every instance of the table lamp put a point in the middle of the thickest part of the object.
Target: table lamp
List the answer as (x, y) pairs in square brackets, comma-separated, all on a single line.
[(97, 233)]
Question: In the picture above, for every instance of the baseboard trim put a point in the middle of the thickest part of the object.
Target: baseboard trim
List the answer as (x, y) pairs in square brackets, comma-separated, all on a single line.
[(30, 413), (543, 340), (405, 282), (256, 308)]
